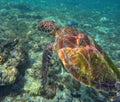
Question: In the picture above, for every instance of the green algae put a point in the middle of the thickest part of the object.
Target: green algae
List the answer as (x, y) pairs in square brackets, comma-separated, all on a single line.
[(33, 86)]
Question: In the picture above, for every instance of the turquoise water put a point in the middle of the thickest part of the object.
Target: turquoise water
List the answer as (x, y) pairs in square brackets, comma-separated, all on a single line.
[(19, 19), (102, 16)]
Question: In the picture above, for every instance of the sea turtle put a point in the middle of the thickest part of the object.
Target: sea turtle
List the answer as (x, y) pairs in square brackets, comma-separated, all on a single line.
[(82, 57)]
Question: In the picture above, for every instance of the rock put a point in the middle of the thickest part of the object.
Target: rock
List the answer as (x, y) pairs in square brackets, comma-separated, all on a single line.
[(104, 19), (72, 23), (102, 29), (4, 12), (9, 75), (11, 58), (32, 86)]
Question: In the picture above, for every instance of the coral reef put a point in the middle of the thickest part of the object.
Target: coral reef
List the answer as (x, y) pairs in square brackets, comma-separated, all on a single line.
[(13, 58), (9, 75), (24, 82), (32, 86), (1, 58)]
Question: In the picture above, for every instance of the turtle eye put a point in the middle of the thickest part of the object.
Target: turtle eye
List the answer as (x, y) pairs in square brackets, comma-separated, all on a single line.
[(41, 26)]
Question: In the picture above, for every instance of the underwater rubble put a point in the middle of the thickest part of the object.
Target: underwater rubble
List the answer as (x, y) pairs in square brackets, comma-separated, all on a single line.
[(60, 87)]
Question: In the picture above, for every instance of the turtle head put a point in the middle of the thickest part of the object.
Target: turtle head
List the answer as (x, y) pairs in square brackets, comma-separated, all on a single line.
[(48, 27)]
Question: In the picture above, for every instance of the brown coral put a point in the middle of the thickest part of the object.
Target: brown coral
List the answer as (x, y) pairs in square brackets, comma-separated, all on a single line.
[(1, 58), (10, 74)]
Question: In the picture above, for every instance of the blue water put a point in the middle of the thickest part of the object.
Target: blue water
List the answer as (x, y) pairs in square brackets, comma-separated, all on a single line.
[(77, 12)]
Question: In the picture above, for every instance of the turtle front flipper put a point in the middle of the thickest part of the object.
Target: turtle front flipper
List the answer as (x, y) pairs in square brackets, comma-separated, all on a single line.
[(46, 62)]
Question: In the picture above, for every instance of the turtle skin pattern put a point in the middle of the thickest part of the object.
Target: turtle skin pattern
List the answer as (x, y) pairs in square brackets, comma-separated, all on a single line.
[(83, 57)]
